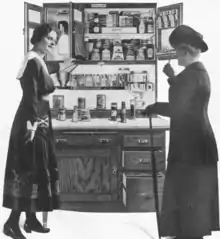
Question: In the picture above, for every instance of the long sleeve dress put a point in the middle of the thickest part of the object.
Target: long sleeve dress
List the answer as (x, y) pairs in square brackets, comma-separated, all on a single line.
[(31, 177), (190, 201)]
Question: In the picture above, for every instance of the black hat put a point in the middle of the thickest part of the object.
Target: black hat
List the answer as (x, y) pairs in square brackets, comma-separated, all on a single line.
[(187, 35)]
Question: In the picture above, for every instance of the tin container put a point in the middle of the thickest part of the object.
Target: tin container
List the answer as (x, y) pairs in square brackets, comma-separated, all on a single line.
[(81, 103), (61, 114), (101, 102)]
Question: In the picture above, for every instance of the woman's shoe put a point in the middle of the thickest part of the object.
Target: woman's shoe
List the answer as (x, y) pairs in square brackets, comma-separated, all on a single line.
[(35, 226), (12, 232)]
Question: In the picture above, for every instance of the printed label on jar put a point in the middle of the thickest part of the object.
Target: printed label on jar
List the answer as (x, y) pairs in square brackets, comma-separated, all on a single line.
[(96, 29), (150, 53)]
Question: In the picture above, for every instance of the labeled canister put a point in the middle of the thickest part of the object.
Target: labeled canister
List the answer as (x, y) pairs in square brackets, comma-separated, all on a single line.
[(101, 101), (81, 103), (61, 114)]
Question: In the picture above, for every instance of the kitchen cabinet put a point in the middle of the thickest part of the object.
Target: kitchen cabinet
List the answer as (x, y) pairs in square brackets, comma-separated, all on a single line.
[(117, 34), (101, 167), (88, 165)]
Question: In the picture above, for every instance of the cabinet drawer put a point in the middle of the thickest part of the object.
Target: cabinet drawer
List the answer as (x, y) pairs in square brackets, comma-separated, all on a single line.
[(86, 140), (141, 160), (138, 194), (143, 140)]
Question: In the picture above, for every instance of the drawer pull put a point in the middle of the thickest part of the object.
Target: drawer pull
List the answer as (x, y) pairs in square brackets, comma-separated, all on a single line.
[(104, 141), (142, 141), (146, 195), (147, 161), (61, 141)]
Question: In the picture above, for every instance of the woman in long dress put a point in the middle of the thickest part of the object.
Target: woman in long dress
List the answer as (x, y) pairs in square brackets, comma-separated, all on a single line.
[(190, 201), (31, 177)]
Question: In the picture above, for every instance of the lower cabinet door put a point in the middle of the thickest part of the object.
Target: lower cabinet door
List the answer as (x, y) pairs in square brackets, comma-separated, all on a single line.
[(138, 192), (88, 174)]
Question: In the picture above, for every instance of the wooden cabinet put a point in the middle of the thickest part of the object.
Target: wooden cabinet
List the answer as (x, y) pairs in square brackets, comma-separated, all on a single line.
[(110, 169), (138, 194), (88, 174), (88, 165)]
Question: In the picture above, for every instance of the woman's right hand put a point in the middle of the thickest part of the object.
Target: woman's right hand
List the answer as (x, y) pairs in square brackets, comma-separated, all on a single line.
[(168, 70), (29, 136), (67, 62), (149, 110), (30, 132)]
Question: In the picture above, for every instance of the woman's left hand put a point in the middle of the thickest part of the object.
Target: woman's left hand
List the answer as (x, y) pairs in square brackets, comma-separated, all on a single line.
[(168, 70)]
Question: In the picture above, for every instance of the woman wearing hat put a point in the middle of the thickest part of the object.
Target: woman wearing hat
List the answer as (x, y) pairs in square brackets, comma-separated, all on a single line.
[(190, 202)]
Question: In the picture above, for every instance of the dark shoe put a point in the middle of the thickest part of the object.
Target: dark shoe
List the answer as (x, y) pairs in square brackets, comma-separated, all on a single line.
[(35, 226), (14, 233)]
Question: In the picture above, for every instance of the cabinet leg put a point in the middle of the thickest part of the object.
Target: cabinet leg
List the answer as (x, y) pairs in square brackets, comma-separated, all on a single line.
[(45, 216)]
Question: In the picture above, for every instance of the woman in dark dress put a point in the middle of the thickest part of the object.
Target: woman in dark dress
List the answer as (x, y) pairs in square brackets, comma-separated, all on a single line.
[(190, 201), (31, 177)]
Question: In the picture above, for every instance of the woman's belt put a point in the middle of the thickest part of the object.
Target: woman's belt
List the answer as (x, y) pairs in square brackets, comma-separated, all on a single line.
[(42, 123)]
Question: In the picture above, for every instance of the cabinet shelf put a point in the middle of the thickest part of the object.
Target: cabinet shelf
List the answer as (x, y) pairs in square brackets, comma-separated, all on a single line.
[(118, 35), (135, 62)]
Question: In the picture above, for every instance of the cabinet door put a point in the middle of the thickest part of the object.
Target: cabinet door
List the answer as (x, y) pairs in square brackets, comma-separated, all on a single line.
[(88, 175), (78, 29), (168, 18), (60, 16), (33, 16)]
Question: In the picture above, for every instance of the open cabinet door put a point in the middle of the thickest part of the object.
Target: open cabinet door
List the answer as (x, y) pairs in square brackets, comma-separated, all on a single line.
[(33, 16), (78, 30), (168, 18)]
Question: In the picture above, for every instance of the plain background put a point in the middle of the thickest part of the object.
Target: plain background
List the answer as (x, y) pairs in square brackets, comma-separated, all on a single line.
[(199, 14)]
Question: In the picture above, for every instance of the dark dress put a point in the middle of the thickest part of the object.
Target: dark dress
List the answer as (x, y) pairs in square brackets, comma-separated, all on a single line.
[(190, 201), (31, 176)]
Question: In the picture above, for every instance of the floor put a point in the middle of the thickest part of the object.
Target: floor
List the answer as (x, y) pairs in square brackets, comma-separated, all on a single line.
[(78, 225)]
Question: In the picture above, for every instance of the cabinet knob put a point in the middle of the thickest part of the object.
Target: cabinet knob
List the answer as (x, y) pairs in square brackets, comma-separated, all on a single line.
[(144, 161), (146, 195), (142, 141), (114, 171)]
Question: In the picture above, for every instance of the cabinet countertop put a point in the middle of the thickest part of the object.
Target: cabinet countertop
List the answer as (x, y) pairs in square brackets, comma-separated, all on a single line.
[(139, 123)]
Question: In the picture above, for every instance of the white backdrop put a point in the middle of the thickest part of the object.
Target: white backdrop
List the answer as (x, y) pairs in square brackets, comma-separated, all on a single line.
[(200, 14)]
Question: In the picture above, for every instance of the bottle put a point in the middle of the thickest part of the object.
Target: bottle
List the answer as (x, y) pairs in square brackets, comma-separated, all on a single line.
[(159, 22), (96, 26), (123, 112), (150, 50), (150, 24), (75, 114), (133, 108), (114, 112), (141, 28)]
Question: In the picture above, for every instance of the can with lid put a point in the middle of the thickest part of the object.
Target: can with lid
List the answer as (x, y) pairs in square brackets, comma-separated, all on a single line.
[(101, 101), (61, 114)]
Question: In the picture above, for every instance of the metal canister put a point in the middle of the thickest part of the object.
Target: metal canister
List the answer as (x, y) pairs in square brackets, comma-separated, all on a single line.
[(101, 101), (61, 114), (81, 103)]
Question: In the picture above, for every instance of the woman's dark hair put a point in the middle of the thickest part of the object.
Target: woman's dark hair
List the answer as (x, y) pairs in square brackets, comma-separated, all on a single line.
[(42, 31)]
